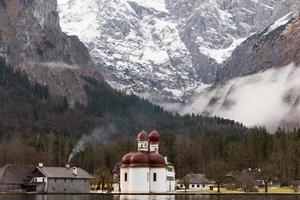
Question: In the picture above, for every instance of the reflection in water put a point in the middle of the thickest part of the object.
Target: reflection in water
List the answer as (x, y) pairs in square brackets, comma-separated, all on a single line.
[(149, 197), (63, 197), (145, 197)]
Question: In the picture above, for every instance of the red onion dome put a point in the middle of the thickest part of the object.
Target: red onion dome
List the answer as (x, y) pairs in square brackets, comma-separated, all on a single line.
[(126, 160), (154, 136), (156, 160), (143, 136), (139, 159)]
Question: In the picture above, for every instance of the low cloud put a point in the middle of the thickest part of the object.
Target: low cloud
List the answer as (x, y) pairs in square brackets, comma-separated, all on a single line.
[(269, 98)]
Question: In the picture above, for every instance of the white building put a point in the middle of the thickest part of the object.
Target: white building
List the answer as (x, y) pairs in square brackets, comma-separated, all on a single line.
[(194, 182), (146, 171)]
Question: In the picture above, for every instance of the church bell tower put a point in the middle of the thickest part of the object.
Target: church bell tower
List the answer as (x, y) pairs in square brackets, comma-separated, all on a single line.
[(143, 141)]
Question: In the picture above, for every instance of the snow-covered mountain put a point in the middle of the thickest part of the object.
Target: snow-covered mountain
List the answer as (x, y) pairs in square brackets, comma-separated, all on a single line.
[(166, 50), (275, 46), (136, 44), (266, 90)]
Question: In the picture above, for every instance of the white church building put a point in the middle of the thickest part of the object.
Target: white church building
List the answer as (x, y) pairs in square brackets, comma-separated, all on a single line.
[(146, 171)]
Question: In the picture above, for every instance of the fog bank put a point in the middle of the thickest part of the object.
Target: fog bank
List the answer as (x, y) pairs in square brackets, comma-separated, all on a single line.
[(269, 98)]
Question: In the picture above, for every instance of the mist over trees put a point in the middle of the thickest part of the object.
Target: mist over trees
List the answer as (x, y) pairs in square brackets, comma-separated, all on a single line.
[(36, 127)]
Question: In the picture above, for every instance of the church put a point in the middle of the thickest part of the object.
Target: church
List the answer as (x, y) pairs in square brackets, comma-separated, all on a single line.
[(146, 171)]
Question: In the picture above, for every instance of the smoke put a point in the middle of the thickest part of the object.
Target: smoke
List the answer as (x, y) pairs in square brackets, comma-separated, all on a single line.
[(269, 98), (100, 134), (80, 147)]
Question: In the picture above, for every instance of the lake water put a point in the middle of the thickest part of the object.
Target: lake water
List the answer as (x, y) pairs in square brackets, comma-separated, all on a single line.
[(150, 197)]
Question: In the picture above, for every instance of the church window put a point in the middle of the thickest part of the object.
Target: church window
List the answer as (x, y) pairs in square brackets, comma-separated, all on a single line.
[(154, 177)]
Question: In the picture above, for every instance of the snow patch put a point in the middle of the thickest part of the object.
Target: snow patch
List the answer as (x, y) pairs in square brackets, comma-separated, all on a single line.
[(57, 65), (220, 55), (175, 92), (158, 5), (79, 18), (280, 22), (156, 56)]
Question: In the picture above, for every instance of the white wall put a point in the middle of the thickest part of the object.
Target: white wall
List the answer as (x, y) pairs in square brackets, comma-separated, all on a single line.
[(154, 147), (143, 145), (124, 184), (40, 179), (199, 187), (139, 180), (171, 184), (147, 197), (180, 186), (195, 186), (160, 184), (116, 187)]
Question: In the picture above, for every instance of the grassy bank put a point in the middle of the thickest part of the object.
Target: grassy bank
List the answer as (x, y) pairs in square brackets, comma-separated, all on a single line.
[(273, 190)]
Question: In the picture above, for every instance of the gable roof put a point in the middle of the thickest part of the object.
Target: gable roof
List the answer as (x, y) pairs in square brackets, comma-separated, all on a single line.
[(242, 177), (15, 174), (63, 172), (194, 179), (295, 182)]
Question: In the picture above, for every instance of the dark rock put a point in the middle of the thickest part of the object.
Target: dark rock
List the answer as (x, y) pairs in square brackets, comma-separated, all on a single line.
[(31, 39)]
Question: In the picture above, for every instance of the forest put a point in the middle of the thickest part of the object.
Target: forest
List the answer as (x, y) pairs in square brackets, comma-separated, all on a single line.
[(37, 127)]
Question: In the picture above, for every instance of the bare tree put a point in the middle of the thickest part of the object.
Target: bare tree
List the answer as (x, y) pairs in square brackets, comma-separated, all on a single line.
[(268, 171), (216, 171)]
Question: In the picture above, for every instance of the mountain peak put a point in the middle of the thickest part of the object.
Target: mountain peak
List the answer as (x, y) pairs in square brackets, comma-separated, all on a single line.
[(165, 49)]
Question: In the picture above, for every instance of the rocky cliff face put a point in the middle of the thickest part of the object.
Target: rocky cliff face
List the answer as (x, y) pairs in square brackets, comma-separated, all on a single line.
[(136, 45), (276, 46), (31, 39), (213, 29), (259, 84), (166, 50)]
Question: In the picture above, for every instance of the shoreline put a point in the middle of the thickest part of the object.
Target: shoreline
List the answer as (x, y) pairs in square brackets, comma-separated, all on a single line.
[(158, 194)]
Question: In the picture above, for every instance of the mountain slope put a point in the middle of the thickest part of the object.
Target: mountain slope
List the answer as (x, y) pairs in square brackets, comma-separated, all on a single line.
[(166, 50), (31, 40), (136, 45), (48, 83), (276, 46), (28, 108), (269, 96)]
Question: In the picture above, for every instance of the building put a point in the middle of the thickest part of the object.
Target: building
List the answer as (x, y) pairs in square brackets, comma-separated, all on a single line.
[(256, 173), (146, 171), (16, 178), (61, 179), (295, 185), (243, 180), (195, 182), (171, 183)]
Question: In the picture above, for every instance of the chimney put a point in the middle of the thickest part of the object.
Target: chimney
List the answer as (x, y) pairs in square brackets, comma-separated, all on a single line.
[(68, 166), (75, 171), (41, 165)]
